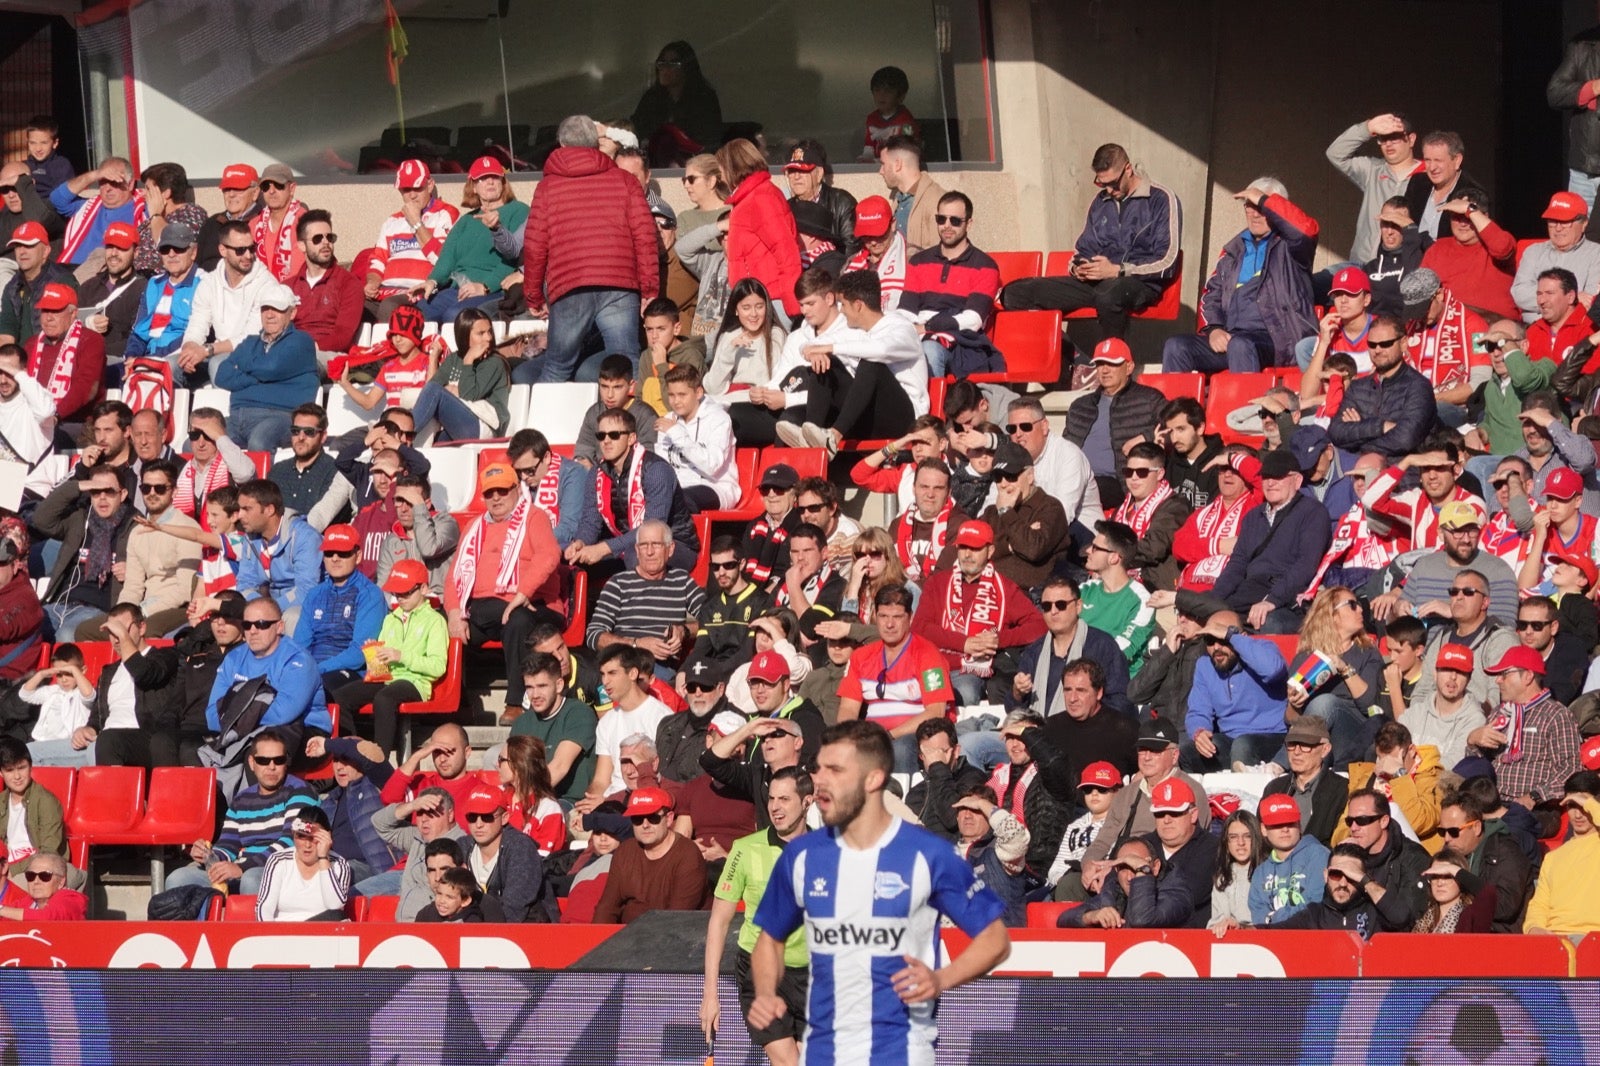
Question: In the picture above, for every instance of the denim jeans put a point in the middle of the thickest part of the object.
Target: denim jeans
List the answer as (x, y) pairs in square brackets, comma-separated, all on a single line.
[(384, 884), (196, 875), (445, 304), (1351, 730), (456, 420), (614, 312), (59, 753), (259, 429), (984, 749), (1248, 748), (1584, 185), (938, 357), (64, 617), (1247, 353)]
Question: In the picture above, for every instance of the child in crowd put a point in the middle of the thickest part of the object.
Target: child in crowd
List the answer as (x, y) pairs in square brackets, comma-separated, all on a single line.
[(1099, 786), (222, 546), (1402, 664), (888, 117), (64, 710), (455, 898), (616, 393), (697, 439), (404, 364), (664, 349), (47, 166)]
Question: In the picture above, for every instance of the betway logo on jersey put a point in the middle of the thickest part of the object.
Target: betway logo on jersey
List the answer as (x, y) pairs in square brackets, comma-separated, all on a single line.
[(834, 935)]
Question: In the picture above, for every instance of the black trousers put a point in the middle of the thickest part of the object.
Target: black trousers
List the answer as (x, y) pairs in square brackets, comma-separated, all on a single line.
[(386, 698), (146, 748), (483, 624), (1113, 299), (873, 406), (701, 498)]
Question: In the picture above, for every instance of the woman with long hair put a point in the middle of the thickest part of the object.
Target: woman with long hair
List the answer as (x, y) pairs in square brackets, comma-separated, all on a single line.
[(467, 394), (679, 113), (700, 245), (1240, 850), (876, 566), (533, 807), (169, 199), (470, 272), (748, 344), (763, 241), (1335, 672), (1451, 908)]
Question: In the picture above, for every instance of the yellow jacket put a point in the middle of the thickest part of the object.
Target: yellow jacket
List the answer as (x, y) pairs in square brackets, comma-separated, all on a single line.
[(1417, 795), (1564, 901)]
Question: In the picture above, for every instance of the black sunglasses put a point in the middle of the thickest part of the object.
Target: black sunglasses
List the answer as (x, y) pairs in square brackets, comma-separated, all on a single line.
[(170, 249), (525, 471), (1465, 592), (323, 238), (1008, 476), (1055, 605), (812, 508), (304, 431), (773, 490), (1361, 819), (700, 688), (1529, 623), (104, 492), (870, 553), (1098, 790), (330, 554), (1454, 831), (950, 220), (1138, 471), (1385, 345), (474, 816), (495, 494), (611, 434), (240, 249), (403, 434), (200, 434), (654, 819), (39, 875), (158, 490), (276, 186), (270, 760), (1020, 427), (259, 623), (732, 564)]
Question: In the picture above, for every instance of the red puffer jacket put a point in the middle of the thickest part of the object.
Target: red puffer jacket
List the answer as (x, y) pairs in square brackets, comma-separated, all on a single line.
[(588, 225), (762, 240)]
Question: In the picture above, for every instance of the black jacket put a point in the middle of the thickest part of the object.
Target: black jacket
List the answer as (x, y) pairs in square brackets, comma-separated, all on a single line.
[(1195, 864), (1051, 801), (63, 515), (680, 740), (1406, 399), (1498, 861), (122, 313), (1361, 916), (1565, 667), (1398, 868), (931, 798), (1580, 65), (518, 883), (157, 692), (1328, 798), (199, 655), (1388, 269), (1133, 413), (1419, 188), (842, 206), (1189, 478), (1163, 682)]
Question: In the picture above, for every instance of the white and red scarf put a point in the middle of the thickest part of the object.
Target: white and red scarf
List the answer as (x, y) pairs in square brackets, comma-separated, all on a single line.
[(602, 492), (1214, 521), (1442, 353), (811, 586), (82, 221), (904, 546), (193, 504), (1501, 537), (891, 270), (465, 571), (1355, 546), (817, 250), (1001, 780), (984, 608), (66, 360), (1508, 719), (547, 494), (1138, 514), (279, 253)]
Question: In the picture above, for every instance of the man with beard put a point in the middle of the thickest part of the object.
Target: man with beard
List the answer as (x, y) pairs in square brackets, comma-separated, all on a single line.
[(950, 290), (1391, 410), (1237, 702), (1352, 902), (828, 883), (330, 296)]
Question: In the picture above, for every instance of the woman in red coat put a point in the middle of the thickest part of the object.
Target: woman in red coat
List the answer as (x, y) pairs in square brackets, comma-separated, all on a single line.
[(762, 240)]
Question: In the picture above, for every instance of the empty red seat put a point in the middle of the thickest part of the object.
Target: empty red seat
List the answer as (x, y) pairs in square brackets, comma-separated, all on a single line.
[(182, 808), (60, 782), (702, 564), (109, 801), (1227, 391), (263, 461), (807, 462), (748, 506), (382, 908), (239, 909), (577, 608), (1044, 915), (1014, 266), (1191, 384), (1031, 344)]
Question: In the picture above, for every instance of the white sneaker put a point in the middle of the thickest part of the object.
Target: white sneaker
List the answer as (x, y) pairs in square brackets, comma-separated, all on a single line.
[(815, 435), (792, 435)]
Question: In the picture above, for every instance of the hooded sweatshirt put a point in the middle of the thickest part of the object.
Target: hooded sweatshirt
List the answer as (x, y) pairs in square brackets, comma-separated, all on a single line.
[(1564, 901), (1284, 885)]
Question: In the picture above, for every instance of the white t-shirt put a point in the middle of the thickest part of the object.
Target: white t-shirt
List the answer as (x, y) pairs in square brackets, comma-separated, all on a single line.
[(18, 846), (482, 869), (120, 699), (61, 711), (617, 724)]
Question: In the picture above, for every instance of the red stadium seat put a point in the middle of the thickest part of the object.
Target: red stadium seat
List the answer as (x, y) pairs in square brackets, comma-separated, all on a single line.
[(181, 809), (807, 462), (702, 564), (1044, 915), (1228, 391), (1031, 343), (239, 909), (1058, 264), (382, 908), (1172, 386), (446, 697), (1288, 376), (748, 462), (1525, 243), (356, 908), (97, 655), (577, 608), (1014, 266), (108, 803), (214, 909), (263, 461), (60, 781), (1286, 644), (937, 387)]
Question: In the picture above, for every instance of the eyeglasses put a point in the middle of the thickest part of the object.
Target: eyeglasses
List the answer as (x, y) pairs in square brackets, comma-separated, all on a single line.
[(1383, 345), (1348, 603), (653, 819), (1499, 483), (525, 471), (240, 249), (1137, 471), (1454, 831), (1013, 428), (154, 490), (812, 508), (103, 492), (322, 238), (339, 555), (171, 249), (1353, 820), (1524, 624), (7, 190), (700, 688), (1096, 547), (773, 490), (1211, 640), (495, 493), (731, 564), (611, 434), (869, 553), (690, 179), (275, 186), (270, 760), (40, 875), (1056, 605), (403, 434), (304, 431), (1454, 592), (950, 220), (474, 816), (259, 624)]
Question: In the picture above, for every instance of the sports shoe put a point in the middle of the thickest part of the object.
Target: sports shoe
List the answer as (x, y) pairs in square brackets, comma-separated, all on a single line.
[(816, 437), (792, 435)]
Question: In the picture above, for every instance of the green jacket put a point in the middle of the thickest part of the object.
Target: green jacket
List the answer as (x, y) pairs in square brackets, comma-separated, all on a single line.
[(46, 824), (469, 249), (423, 641), (1502, 405), (487, 380)]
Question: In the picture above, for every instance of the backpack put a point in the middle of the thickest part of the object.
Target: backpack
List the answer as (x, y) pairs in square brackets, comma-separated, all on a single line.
[(147, 386)]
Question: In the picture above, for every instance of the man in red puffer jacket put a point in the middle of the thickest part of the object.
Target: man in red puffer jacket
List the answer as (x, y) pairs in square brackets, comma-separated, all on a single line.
[(590, 251)]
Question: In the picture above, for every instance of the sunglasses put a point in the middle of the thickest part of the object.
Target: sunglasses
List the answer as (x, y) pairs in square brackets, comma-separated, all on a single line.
[(240, 249), (322, 238), (1433, 468), (1137, 471), (109, 184), (474, 816), (870, 553), (1454, 831), (525, 471), (1352, 820), (275, 186), (1171, 814), (1008, 476), (1498, 483), (1300, 745), (495, 494), (103, 492), (1383, 345), (1056, 605), (270, 760), (170, 249), (339, 555), (1109, 182), (611, 434), (699, 688), (7, 190), (1335, 874), (1465, 592), (1348, 604), (950, 220), (304, 431), (1211, 640), (653, 819), (200, 434), (812, 508), (40, 875), (773, 490), (259, 624), (1013, 428), (1095, 790), (154, 490), (1524, 624), (732, 564)]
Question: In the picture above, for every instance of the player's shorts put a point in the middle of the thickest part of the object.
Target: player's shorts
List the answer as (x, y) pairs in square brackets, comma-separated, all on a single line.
[(792, 988)]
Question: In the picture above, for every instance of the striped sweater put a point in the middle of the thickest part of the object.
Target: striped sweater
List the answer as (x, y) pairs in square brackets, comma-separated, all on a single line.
[(258, 824)]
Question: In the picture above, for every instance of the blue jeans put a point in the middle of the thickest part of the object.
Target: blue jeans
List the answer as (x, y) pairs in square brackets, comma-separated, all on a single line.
[(984, 749), (384, 884), (938, 357), (196, 875), (1584, 185), (1351, 730), (65, 618), (59, 753), (445, 304), (259, 429), (969, 688), (1248, 748), (456, 420), (1247, 353), (614, 312)]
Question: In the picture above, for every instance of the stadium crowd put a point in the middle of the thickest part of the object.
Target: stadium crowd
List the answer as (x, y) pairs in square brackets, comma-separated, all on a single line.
[(1361, 607)]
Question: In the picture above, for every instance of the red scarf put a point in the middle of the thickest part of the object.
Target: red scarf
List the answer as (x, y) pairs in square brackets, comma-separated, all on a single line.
[(810, 587), (602, 491), (985, 609), (1356, 545), (547, 494), (1500, 537), (278, 254), (920, 569), (465, 571), (1002, 780), (1214, 521), (1508, 718), (61, 368), (1442, 353), (891, 270), (184, 497), (82, 221), (1139, 514)]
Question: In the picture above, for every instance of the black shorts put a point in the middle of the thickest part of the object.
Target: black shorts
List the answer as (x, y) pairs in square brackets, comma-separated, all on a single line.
[(792, 988)]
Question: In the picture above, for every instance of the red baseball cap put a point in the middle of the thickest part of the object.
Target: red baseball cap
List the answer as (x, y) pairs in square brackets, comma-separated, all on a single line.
[(1565, 207), (647, 801), (1280, 809), (412, 174), (486, 166), (30, 234), (340, 538), (1100, 775), (56, 297), (406, 575), (238, 176), (1454, 657), (769, 666), (1172, 795), (1112, 350), (1585, 565), (974, 534), (874, 217), (121, 235), (1563, 484), (483, 799), (1519, 657), (1351, 280), (1589, 754)]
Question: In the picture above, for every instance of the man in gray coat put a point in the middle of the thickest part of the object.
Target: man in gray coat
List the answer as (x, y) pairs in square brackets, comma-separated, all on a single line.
[(409, 827)]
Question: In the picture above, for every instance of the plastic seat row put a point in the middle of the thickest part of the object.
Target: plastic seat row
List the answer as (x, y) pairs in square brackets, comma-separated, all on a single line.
[(1016, 266), (109, 805), (241, 908)]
